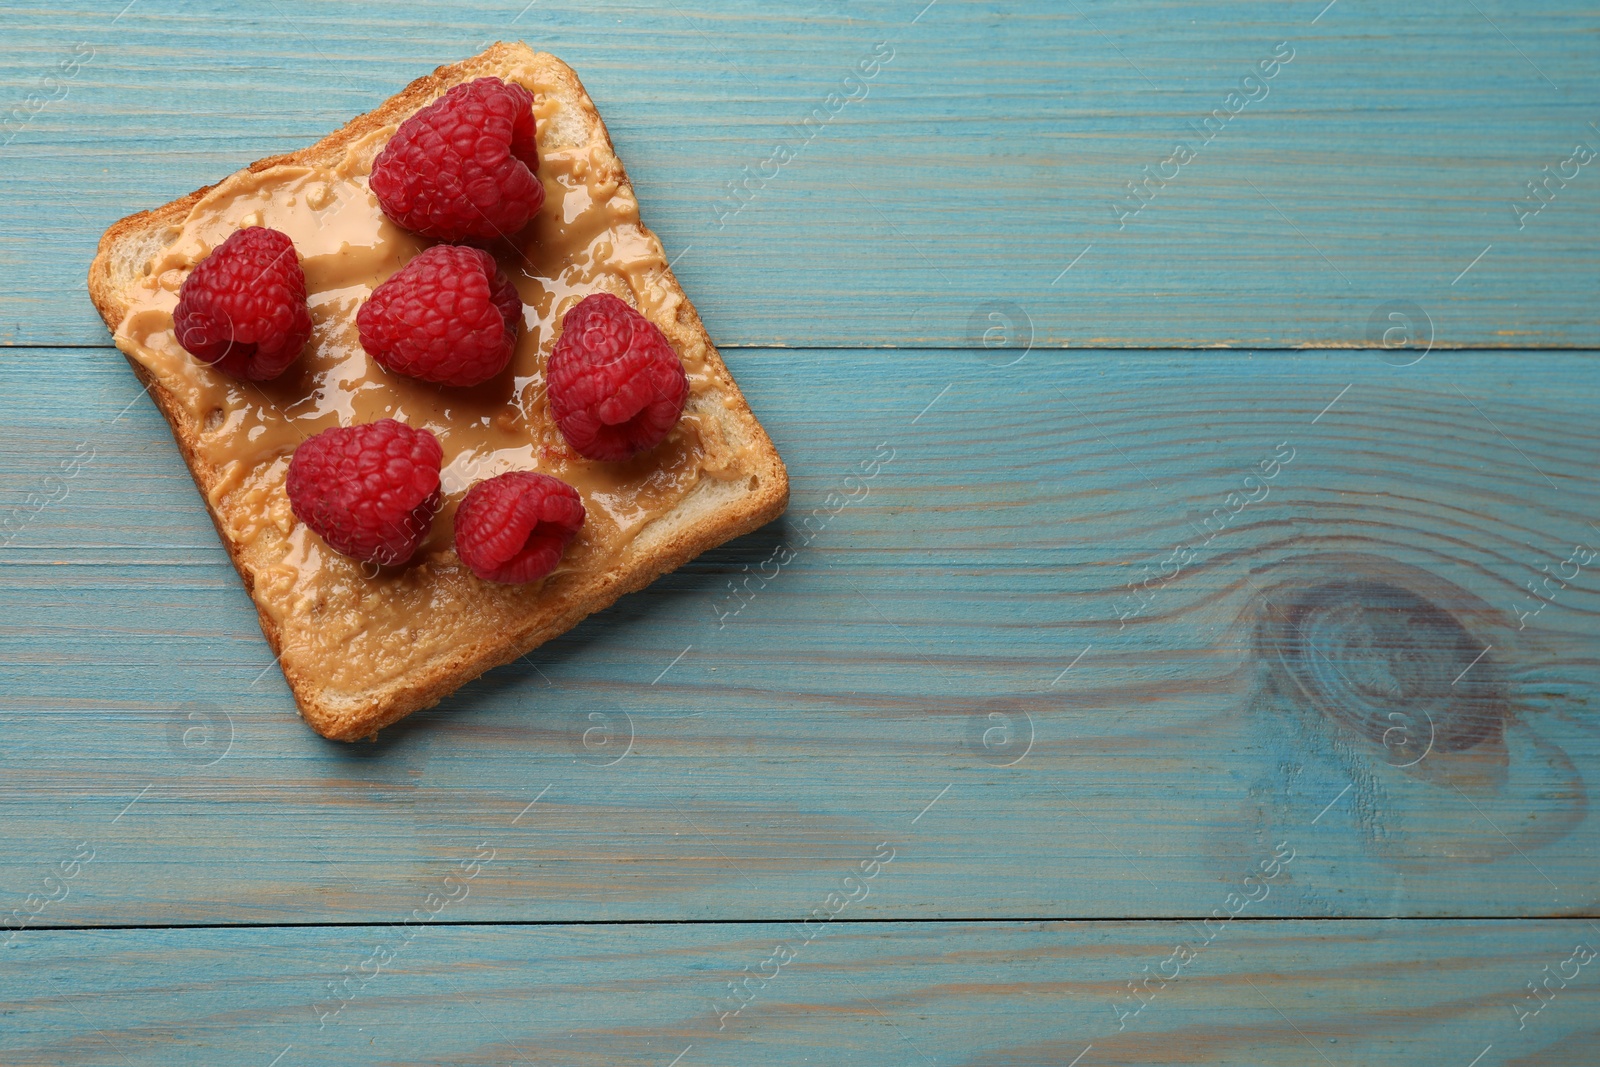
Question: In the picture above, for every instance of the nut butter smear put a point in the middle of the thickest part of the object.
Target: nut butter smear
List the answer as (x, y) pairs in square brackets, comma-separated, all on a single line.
[(341, 622)]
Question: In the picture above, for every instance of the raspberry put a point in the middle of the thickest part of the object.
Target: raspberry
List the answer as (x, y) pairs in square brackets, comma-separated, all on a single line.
[(616, 387), (369, 491), (449, 317), (462, 168), (513, 528), (243, 308)]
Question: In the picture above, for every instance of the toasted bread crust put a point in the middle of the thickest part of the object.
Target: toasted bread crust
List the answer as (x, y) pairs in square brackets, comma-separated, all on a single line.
[(340, 720)]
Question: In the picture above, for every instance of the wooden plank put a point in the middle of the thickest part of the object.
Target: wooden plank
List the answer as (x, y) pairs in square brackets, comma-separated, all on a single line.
[(1337, 661), (1383, 163), (1305, 993)]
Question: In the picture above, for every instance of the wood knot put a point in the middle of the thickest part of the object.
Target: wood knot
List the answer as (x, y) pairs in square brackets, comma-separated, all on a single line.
[(1387, 663)]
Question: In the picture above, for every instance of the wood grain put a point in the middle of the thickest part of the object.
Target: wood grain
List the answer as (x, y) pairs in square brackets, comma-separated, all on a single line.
[(1338, 664), (1295, 647), (1308, 994), (1376, 166)]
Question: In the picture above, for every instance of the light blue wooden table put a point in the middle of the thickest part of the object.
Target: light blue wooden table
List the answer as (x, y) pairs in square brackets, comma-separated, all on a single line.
[(1209, 677)]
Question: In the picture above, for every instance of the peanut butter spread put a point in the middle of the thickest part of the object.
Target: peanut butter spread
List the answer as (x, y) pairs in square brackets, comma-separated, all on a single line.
[(349, 626)]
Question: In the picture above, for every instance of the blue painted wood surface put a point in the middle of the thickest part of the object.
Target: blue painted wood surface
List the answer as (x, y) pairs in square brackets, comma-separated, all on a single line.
[(1291, 994), (994, 148), (1028, 516), (1109, 636)]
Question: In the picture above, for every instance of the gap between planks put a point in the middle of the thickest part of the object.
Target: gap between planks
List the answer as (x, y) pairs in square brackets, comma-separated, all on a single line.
[(1331, 346), (1263, 920)]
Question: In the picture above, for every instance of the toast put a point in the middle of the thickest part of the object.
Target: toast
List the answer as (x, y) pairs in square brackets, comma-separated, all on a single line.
[(362, 646)]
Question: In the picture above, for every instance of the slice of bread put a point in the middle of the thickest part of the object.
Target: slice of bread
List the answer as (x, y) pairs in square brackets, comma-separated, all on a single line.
[(360, 647)]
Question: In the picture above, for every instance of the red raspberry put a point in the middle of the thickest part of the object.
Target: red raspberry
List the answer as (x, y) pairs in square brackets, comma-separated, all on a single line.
[(243, 308), (462, 168), (616, 386), (513, 528), (449, 317), (369, 491)]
